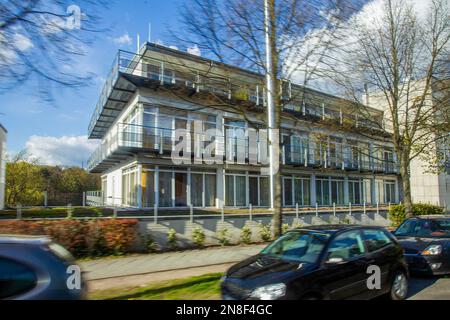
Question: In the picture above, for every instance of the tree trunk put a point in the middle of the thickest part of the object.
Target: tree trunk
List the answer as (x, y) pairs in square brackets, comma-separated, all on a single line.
[(406, 183)]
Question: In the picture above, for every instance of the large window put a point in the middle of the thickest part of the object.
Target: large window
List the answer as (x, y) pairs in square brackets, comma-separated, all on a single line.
[(323, 191), (389, 192), (129, 187), (337, 190), (355, 191), (296, 190), (173, 188)]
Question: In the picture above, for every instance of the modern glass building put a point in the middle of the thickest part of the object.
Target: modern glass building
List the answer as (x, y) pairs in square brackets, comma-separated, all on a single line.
[(328, 155)]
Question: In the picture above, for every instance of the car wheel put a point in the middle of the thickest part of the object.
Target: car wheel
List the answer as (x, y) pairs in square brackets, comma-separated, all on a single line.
[(399, 286)]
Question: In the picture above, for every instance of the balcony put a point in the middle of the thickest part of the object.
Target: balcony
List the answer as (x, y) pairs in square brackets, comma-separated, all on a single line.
[(310, 156), (130, 71)]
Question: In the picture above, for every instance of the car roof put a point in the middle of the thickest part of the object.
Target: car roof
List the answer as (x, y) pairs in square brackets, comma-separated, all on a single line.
[(23, 239), (334, 228), (432, 216)]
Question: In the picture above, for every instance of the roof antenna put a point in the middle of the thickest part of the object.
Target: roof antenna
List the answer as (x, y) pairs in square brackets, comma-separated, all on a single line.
[(138, 44), (149, 32)]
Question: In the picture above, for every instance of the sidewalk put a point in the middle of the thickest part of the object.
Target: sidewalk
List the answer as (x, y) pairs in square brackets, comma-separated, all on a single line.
[(158, 262)]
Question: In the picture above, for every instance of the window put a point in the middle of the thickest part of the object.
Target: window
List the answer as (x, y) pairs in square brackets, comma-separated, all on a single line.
[(165, 189), (389, 192), (236, 190), (355, 191), (408, 228), (298, 246), (346, 246), (129, 187), (15, 278), (148, 189), (375, 239), (337, 191), (323, 191), (287, 191)]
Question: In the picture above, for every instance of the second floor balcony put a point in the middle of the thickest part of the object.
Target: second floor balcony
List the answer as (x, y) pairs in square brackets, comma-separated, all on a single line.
[(125, 140)]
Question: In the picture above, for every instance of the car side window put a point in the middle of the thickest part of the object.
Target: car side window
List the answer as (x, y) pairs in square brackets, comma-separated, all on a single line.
[(375, 239), (15, 278), (408, 228), (346, 246)]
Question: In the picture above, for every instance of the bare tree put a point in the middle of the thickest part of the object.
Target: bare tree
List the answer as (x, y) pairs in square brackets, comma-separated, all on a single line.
[(399, 61), (41, 41), (233, 32)]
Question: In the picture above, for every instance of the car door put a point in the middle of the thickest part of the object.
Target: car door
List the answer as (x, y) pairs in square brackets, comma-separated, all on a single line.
[(345, 279), (383, 253)]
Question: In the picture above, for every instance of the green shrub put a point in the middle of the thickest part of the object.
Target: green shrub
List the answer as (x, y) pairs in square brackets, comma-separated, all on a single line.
[(264, 232), (397, 213), (246, 235), (172, 238), (284, 228), (148, 242), (297, 225), (198, 236), (222, 236)]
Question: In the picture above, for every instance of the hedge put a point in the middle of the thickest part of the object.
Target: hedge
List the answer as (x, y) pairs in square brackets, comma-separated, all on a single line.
[(83, 238), (397, 213)]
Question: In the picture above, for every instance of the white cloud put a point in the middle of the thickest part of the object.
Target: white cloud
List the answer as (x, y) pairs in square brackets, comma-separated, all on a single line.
[(124, 39), (195, 50), (22, 42), (64, 151)]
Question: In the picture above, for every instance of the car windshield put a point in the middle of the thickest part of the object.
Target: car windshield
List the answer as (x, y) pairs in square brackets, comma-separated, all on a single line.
[(298, 246), (426, 228)]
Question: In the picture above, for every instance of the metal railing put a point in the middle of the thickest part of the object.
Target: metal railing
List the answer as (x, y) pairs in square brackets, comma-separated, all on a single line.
[(241, 149), (224, 83)]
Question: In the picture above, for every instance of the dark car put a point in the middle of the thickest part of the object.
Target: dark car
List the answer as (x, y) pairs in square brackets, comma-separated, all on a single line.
[(426, 241), (35, 268), (321, 262)]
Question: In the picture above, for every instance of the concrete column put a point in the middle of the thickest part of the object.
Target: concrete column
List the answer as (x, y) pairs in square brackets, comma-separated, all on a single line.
[(220, 182), (157, 186), (313, 189)]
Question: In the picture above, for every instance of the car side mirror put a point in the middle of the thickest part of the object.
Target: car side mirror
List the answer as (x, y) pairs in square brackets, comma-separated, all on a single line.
[(335, 260)]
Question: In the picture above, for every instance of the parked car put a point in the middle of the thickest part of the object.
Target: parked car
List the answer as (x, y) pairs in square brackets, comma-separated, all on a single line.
[(426, 241), (321, 262), (35, 268)]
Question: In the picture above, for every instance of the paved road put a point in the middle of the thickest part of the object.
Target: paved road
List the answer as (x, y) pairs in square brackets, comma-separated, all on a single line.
[(432, 288)]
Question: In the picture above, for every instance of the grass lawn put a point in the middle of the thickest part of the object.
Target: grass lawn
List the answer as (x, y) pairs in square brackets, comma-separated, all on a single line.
[(205, 287)]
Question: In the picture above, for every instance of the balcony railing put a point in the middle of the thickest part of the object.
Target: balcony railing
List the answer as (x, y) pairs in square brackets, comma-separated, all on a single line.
[(239, 149), (142, 70)]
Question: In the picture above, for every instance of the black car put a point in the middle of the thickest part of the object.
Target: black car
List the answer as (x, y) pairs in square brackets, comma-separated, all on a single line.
[(321, 262), (426, 241), (35, 268)]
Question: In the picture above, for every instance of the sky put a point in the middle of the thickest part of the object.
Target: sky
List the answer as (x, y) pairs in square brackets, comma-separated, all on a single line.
[(56, 133)]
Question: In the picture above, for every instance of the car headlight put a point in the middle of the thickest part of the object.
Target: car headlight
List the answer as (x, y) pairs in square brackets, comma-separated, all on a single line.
[(433, 250), (269, 292)]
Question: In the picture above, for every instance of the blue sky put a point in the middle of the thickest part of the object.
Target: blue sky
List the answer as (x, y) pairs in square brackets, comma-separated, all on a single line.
[(25, 115)]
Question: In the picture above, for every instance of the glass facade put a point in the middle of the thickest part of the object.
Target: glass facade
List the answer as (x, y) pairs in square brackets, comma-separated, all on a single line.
[(181, 187)]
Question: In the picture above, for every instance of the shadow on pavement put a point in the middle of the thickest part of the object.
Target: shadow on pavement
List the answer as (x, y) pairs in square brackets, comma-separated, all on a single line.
[(418, 284)]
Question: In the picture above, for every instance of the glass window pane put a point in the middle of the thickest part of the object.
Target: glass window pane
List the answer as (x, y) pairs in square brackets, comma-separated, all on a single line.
[(229, 187), (181, 189), (253, 191), (264, 190), (306, 192), (210, 190), (287, 191), (298, 187), (240, 191), (148, 189), (197, 190), (165, 189)]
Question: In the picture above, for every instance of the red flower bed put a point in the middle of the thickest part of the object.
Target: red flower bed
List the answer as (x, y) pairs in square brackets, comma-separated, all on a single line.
[(81, 237)]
